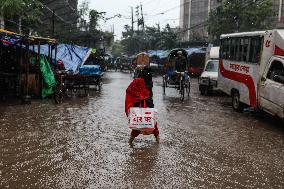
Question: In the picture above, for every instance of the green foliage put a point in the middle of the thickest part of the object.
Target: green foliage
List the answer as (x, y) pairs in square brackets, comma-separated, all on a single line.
[(117, 49), (95, 17), (169, 38), (237, 16), (29, 11), (150, 39), (83, 11)]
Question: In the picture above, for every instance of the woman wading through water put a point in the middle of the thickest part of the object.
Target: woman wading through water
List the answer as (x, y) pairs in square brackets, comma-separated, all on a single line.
[(140, 92)]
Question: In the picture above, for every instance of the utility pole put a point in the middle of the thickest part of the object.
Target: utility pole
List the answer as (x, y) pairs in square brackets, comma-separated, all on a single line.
[(53, 20), (20, 25), (280, 11), (143, 24), (137, 15), (2, 23), (132, 21)]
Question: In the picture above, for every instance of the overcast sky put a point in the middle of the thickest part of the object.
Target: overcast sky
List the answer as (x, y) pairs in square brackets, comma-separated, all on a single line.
[(156, 11)]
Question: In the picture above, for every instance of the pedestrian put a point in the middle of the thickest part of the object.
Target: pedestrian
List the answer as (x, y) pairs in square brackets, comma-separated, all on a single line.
[(138, 92)]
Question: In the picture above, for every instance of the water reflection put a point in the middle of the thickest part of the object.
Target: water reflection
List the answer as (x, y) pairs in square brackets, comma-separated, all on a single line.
[(82, 143)]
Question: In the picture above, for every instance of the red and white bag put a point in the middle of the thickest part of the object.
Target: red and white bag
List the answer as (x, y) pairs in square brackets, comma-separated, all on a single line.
[(142, 118)]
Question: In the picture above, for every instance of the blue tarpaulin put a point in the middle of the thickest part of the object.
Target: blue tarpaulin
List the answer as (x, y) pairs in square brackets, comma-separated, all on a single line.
[(159, 53), (190, 51), (90, 70), (73, 56)]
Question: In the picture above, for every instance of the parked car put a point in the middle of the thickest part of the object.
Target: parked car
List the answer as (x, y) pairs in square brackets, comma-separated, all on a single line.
[(208, 79)]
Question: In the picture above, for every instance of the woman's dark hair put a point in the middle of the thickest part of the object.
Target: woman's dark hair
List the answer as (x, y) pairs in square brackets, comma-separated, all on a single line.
[(146, 74)]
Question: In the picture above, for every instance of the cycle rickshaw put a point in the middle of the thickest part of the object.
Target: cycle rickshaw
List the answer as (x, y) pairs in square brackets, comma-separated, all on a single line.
[(175, 78), (123, 64)]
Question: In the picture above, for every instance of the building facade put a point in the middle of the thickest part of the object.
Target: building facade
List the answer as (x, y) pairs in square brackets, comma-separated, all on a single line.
[(58, 16), (278, 7), (193, 15)]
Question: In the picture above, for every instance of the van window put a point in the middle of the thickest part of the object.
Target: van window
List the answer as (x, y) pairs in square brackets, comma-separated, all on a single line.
[(276, 68), (212, 66)]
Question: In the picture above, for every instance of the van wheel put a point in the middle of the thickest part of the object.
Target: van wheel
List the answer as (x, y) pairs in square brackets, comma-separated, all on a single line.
[(237, 105), (203, 90)]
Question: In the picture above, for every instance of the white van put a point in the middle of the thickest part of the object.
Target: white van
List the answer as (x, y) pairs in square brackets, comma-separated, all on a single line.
[(208, 79), (251, 70)]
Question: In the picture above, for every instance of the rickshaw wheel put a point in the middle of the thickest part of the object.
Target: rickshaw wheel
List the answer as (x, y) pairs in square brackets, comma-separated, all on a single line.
[(100, 85), (181, 89), (187, 87), (58, 96), (164, 85)]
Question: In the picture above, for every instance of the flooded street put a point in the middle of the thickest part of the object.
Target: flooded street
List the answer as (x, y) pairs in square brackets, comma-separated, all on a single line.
[(82, 143)]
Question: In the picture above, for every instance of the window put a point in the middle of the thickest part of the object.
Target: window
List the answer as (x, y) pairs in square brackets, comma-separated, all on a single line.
[(246, 49), (237, 49), (225, 48), (212, 66), (232, 49), (276, 68), (255, 49)]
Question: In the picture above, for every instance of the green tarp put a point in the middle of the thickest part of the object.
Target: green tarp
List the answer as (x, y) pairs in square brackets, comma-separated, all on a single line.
[(48, 77), (94, 51), (47, 74)]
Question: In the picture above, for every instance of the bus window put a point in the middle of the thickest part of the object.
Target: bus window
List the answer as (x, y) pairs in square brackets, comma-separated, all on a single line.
[(232, 49), (225, 48), (255, 48), (237, 50), (244, 49)]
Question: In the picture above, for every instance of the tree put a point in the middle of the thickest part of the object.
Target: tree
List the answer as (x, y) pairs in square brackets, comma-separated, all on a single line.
[(83, 12), (169, 38), (95, 17), (117, 49), (238, 16), (27, 12), (152, 38)]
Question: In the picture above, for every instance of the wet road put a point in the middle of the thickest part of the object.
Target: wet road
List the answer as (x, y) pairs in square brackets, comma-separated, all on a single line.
[(83, 144)]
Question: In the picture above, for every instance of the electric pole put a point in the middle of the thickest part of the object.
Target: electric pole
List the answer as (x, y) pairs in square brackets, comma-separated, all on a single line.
[(132, 21), (53, 24), (2, 23), (142, 17), (137, 15)]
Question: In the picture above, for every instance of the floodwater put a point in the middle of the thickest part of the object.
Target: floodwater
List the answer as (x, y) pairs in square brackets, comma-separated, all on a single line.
[(82, 143)]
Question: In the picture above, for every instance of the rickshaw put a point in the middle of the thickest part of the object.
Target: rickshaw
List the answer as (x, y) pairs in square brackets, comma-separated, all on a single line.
[(176, 79), (123, 63), (141, 60), (196, 60)]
